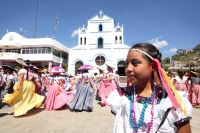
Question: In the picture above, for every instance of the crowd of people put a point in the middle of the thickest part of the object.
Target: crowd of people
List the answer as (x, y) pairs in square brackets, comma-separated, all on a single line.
[(31, 87), (189, 82), (153, 100)]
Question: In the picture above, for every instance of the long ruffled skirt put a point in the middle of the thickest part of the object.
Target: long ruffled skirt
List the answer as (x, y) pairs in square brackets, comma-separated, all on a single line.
[(25, 99), (105, 88), (55, 100), (83, 99), (196, 95), (38, 87)]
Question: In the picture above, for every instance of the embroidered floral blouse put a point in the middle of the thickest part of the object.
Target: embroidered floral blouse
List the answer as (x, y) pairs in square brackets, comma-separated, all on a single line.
[(120, 104)]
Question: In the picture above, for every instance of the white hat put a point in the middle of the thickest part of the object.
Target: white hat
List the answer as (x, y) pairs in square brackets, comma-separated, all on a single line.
[(21, 61), (100, 68), (59, 78), (24, 62), (113, 68), (35, 67)]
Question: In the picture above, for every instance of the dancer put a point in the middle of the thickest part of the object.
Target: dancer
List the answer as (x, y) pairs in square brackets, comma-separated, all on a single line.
[(101, 76), (107, 85), (37, 80), (23, 99), (8, 84), (180, 81), (83, 99), (149, 105), (195, 89), (57, 96)]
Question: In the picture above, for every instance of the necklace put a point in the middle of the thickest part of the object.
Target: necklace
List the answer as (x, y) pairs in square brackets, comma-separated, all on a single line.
[(132, 118)]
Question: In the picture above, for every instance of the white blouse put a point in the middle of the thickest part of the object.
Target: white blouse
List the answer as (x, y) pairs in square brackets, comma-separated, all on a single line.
[(23, 71), (181, 81), (121, 106)]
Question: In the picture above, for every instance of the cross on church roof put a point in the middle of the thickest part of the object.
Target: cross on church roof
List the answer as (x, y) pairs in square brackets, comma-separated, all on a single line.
[(100, 13)]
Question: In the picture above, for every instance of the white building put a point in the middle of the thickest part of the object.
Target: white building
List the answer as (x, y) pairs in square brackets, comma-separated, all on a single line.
[(40, 51), (99, 42)]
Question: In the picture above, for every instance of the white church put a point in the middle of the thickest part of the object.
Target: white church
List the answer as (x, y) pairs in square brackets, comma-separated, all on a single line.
[(100, 42)]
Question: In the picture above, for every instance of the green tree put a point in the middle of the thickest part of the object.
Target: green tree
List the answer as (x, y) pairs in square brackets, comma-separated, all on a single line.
[(166, 67), (65, 66)]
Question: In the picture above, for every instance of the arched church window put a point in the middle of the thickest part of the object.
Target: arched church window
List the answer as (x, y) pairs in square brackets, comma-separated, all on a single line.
[(81, 40), (85, 40), (77, 65), (120, 40), (83, 30), (118, 29), (100, 43), (121, 67), (100, 27), (116, 40), (100, 60)]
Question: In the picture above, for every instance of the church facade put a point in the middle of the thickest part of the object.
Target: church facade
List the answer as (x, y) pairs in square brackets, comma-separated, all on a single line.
[(100, 42)]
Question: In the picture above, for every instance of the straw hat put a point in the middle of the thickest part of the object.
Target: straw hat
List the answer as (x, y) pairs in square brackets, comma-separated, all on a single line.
[(108, 65), (196, 73), (24, 62), (43, 70), (10, 67), (35, 67), (21, 61)]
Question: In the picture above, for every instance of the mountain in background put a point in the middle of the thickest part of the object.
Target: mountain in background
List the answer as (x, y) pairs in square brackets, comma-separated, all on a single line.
[(188, 57)]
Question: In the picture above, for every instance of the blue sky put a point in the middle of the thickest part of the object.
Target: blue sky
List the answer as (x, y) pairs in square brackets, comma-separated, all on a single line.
[(169, 24)]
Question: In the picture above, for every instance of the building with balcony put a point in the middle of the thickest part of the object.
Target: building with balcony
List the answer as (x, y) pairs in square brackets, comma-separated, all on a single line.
[(43, 52), (100, 42)]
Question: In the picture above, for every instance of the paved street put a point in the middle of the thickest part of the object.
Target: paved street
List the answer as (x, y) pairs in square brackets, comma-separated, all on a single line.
[(63, 120)]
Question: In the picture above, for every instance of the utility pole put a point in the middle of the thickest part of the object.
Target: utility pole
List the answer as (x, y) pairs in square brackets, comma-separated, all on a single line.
[(56, 24), (36, 17)]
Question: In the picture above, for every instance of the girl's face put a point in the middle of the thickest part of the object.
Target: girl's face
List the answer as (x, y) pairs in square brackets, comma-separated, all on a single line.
[(138, 70)]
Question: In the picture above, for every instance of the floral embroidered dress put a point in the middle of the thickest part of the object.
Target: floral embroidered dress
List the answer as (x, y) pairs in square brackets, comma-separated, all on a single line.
[(120, 105)]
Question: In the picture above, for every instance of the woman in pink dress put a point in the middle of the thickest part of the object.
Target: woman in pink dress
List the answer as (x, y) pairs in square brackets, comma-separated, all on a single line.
[(57, 96), (195, 89), (180, 81), (107, 85)]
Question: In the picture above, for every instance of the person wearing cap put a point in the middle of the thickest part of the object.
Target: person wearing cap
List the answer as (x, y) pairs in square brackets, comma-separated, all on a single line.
[(23, 99), (195, 87), (57, 96), (107, 85)]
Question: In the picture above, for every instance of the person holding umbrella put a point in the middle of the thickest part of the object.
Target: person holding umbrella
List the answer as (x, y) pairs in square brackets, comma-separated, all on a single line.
[(57, 96), (83, 99), (23, 99)]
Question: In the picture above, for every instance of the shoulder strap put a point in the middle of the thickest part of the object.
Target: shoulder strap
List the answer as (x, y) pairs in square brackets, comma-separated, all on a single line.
[(164, 118)]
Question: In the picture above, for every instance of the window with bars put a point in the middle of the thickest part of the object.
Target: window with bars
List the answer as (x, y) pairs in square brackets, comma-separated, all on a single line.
[(13, 50), (36, 50)]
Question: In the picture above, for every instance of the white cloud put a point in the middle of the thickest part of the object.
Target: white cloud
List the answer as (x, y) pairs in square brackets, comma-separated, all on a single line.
[(75, 33), (157, 43), (172, 50)]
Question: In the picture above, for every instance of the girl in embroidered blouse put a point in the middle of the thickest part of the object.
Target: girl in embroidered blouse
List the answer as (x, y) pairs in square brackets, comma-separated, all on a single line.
[(140, 107)]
